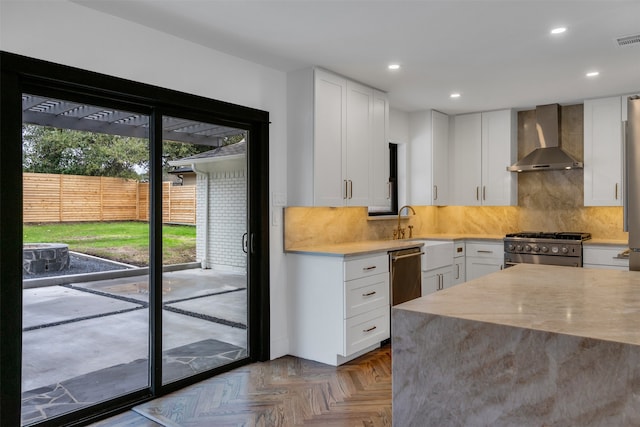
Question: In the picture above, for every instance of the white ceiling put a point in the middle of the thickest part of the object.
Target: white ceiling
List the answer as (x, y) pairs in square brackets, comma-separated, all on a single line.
[(497, 54)]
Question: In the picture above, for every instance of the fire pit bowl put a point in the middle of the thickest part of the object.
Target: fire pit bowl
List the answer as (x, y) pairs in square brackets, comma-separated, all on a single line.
[(43, 257)]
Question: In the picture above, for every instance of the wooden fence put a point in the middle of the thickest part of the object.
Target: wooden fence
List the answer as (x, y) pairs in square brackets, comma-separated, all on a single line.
[(68, 198)]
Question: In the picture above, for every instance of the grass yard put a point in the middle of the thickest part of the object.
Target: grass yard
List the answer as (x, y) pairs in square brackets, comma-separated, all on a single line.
[(126, 241)]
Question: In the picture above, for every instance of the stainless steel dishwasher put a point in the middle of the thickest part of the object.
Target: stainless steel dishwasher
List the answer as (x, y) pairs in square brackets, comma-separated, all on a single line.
[(406, 275)]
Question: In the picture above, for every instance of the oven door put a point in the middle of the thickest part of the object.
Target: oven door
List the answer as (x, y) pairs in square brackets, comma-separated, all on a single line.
[(568, 261)]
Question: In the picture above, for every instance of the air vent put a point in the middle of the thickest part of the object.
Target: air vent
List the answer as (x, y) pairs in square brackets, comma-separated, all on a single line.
[(628, 40)]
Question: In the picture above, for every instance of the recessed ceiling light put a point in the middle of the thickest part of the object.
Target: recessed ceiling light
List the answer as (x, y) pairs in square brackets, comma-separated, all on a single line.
[(593, 73), (455, 95), (558, 30), (394, 66)]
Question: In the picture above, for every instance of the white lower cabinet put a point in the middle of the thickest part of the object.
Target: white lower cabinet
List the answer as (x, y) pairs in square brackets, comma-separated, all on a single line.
[(459, 263), (604, 256), (339, 305), (437, 266), (436, 280), (483, 258)]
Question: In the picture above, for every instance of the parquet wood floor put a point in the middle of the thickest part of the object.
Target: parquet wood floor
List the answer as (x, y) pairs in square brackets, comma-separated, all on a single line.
[(284, 392)]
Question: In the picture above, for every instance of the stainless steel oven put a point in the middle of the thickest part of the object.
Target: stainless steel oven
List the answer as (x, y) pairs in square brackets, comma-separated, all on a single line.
[(554, 248)]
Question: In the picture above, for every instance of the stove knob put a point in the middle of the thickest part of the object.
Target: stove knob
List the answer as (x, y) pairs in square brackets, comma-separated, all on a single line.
[(554, 249), (527, 248), (536, 249), (565, 250), (519, 248), (512, 247), (545, 249)]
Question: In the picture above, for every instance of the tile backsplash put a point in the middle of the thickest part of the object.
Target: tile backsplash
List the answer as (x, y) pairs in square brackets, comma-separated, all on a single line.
[(547, 201)]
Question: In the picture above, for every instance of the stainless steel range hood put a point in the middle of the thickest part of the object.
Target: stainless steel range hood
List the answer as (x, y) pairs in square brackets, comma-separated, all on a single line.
[(548, 155)]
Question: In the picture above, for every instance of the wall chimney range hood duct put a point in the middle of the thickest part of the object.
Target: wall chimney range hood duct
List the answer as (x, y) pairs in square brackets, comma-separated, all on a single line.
[(548, 155)]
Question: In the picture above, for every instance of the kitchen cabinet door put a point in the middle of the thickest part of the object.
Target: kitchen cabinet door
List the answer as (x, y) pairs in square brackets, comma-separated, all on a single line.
[(499, 151), (429, 158), (483, 258), (603, 152), (459, 268), (358, 143), (379, 172), (329, 154), (484, 144), (466, 176), (440, 162)]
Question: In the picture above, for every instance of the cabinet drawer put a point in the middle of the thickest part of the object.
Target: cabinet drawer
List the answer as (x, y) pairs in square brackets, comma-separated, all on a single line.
[(604, 257), (485, 250), (365, 294), (367, 266), (366, 329)]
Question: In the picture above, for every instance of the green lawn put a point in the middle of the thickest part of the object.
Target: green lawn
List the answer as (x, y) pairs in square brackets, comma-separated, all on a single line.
[(121, 241)]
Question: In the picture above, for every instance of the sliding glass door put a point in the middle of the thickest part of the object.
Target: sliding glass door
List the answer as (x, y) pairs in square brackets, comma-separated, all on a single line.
[(143, 238)]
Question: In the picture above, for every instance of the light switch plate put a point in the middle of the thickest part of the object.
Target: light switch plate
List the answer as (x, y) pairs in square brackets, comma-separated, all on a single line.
[(278, 199)]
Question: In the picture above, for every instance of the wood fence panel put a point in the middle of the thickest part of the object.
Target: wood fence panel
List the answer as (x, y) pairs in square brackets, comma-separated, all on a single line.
[(119, 199), (67, 198), (183, 204), (41, 197), (143, 201), (81, 198)]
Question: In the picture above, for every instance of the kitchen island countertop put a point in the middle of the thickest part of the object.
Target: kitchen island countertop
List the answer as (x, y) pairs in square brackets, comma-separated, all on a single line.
[(592, 303), (529, 345)]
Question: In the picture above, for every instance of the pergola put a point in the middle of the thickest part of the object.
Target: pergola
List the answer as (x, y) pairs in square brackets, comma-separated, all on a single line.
[(38, 110)]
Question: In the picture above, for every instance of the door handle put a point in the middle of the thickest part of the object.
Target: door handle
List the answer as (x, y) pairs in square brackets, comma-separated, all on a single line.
[(244, 243)]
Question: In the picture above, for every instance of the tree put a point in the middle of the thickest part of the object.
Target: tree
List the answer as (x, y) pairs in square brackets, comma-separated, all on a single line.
[(66, 151)]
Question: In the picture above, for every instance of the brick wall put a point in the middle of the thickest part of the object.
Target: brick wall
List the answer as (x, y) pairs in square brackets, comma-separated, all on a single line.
[(227, 204)]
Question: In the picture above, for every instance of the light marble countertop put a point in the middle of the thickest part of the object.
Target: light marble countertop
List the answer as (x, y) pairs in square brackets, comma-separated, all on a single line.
[(606, 242), (454, 237), (371, 246), (357, 248), (592, 303)]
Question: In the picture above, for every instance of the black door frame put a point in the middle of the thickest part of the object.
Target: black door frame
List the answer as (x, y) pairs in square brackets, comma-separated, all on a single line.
[(23, 74)]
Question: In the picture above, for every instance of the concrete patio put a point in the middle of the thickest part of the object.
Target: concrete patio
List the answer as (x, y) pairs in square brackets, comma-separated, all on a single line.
[(78, 338)]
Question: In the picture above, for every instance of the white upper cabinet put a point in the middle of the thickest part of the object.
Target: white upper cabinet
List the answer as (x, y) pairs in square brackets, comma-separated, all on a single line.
[(429, 158), (358, 144), (603, 156), (334, 141), (484, 144), (466, 173), (329, 147), (379, 170), (499, 150)]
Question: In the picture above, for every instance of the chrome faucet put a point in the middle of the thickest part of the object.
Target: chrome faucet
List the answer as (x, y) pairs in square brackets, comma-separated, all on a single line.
[(398, 233)]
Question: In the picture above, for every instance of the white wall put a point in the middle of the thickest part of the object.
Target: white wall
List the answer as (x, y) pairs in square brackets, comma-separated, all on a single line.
[(70, 34)]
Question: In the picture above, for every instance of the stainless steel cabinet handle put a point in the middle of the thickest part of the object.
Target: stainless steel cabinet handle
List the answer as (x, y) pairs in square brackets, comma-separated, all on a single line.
[(484, 192), (485, 252), (372, 267), (346, 189), (350, 189), (457, 271), (368, 294), (616, 191), (435, 192), (370, 329), (477, 193)]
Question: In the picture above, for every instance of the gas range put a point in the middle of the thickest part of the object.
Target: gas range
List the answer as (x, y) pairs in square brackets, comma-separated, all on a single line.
[(550, 248)]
